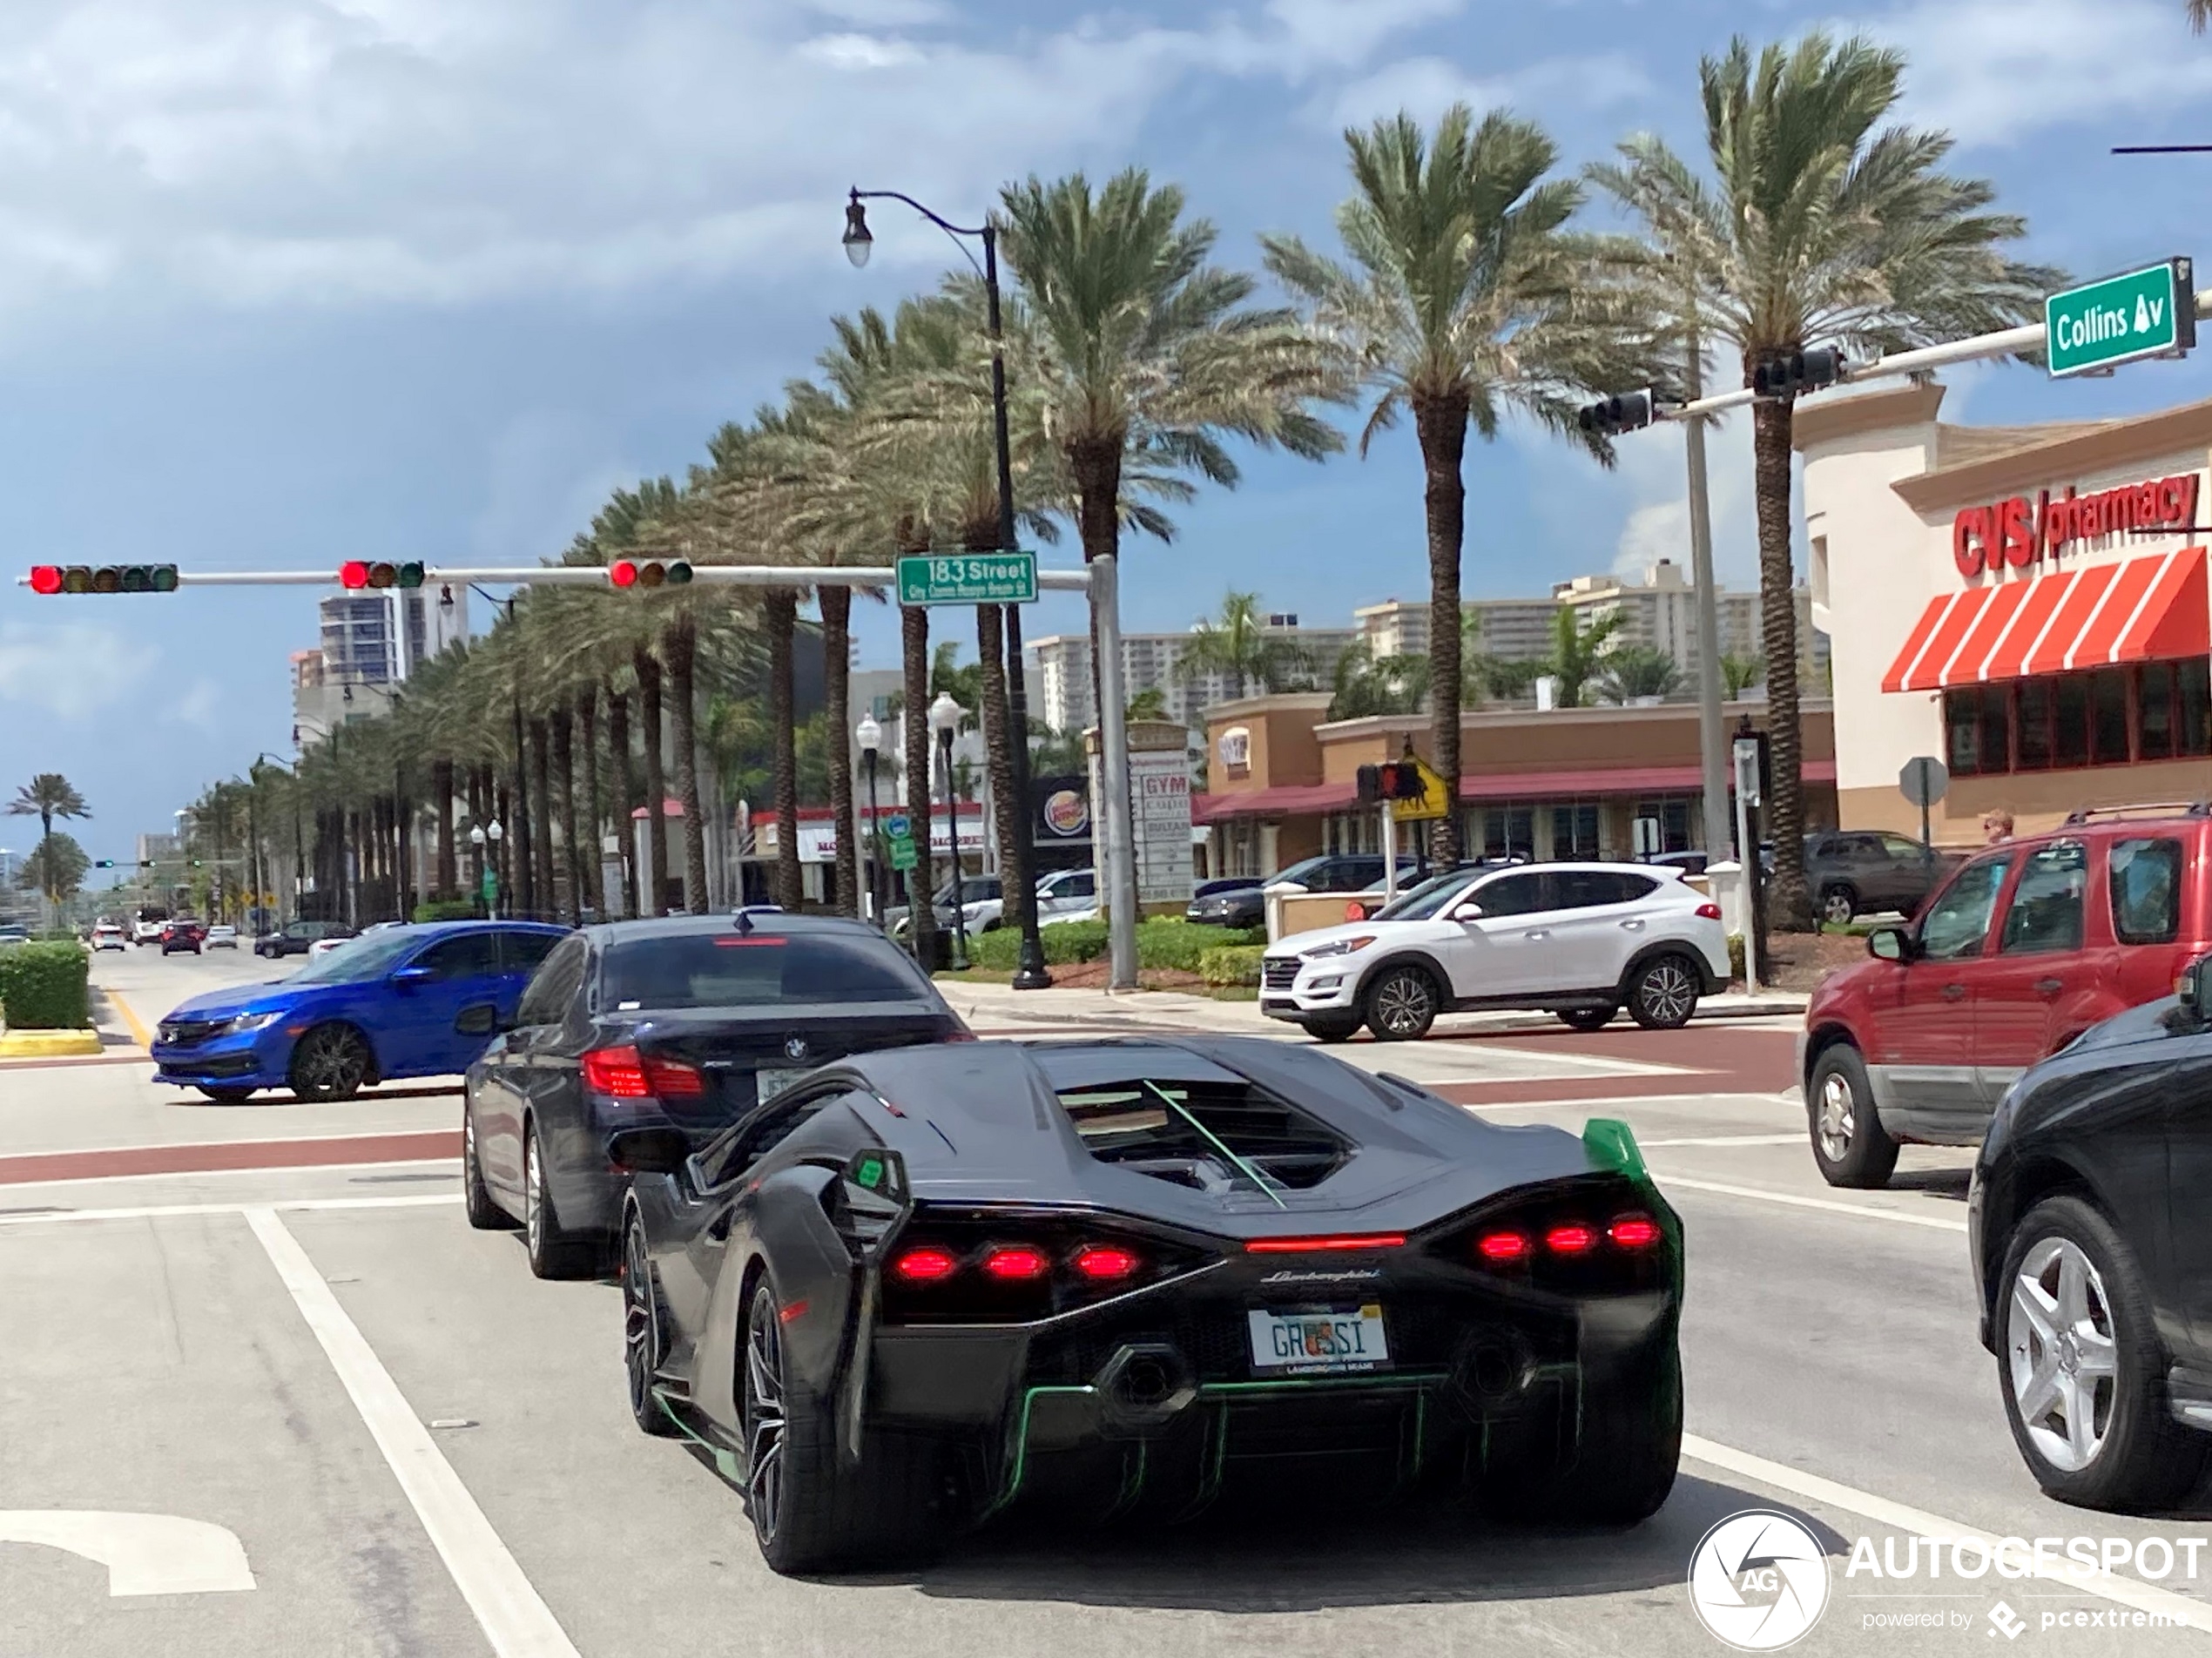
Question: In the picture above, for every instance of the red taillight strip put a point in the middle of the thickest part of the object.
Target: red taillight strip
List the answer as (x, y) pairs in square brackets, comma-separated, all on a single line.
[(1634, 1231), (1503, 1246), (925, 1265), (1314, 1245), (1572, 1239)]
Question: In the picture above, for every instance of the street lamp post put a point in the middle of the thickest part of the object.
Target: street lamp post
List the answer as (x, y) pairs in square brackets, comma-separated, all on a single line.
[(479, 835), (869, 735), (1030, 973), (944, 719)]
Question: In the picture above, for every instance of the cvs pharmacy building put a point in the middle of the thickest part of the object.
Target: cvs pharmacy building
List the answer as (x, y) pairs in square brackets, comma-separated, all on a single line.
[(2027, 603)]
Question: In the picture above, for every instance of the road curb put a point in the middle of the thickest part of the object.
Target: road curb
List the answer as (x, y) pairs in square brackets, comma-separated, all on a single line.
[(49, 1044)]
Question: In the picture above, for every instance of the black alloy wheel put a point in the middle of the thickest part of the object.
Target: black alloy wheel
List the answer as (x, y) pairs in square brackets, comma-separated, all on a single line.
[(482, 1209), (763, 1421), (330, 1062), (1401, 1004), (226, 1095), (1587, 1018), (554, 1252), (641, 1337), (1664, 993)]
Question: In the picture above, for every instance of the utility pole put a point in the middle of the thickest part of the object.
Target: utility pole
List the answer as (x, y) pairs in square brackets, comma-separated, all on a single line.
[(1712, 742)]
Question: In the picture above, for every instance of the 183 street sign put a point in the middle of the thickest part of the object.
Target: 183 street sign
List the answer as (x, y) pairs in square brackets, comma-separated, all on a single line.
[(967, 579), (2150, 311)]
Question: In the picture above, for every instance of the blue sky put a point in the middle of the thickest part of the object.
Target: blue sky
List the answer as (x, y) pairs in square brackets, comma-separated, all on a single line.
[(287, 281)]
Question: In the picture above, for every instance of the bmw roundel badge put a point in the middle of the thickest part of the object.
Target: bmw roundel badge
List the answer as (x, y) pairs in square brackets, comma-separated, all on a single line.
[(794, 1048)]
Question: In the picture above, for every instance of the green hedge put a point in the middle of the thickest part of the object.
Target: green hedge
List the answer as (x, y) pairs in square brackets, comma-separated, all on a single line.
[(1165, 942), (447, 909), (41, 986), (1235, 965)]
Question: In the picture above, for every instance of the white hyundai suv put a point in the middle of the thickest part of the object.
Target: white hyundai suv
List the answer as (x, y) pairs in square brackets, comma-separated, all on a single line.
[(1581, 940)]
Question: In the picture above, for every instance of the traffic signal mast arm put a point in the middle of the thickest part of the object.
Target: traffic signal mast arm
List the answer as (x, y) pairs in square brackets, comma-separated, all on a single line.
[(1075, 581)]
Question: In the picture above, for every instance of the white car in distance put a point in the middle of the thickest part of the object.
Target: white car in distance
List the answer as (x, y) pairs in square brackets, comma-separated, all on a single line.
[(1581, 940)]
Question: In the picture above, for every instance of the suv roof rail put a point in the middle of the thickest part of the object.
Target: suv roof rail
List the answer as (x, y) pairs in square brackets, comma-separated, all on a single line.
[(2148, 809)]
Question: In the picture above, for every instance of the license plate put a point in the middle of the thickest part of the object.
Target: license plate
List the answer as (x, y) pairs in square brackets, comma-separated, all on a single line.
[(769, 1083), (1313, 1344)]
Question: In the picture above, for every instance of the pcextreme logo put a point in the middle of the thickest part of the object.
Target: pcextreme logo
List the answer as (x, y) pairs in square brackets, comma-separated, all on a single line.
[(1758, 1580)]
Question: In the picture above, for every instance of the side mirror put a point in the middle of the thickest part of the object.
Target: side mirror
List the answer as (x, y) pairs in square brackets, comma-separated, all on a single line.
[(2190, 988), (1469, 911), (407, 978), (649, 1151), (1890, 944)]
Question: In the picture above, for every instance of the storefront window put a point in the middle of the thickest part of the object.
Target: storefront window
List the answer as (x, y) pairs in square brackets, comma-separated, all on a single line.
[(1507, 831), (2105, 717), (1575, 830), (2070, 721), (2154, 716), (2033, 750), (2109, 717), (2194, 705)]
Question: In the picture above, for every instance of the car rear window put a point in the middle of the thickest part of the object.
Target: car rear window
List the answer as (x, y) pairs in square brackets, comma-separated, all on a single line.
[(2146, 881), (751, 969)]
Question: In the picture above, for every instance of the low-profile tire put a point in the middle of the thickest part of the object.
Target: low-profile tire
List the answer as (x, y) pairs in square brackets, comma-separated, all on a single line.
[(1838, 904), (330, 1062), (1400, 1004), (1331, 1028), (1849, 1145), (2077, 1337), (482, 1208), (811, 1511), (1663, 992), (554, 1252), (226, 1095), (1585, 1018), (642, 1348)]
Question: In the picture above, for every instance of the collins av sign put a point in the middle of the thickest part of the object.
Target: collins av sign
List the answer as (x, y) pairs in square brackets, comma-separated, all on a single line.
[(2019, 531), (2150, 311)]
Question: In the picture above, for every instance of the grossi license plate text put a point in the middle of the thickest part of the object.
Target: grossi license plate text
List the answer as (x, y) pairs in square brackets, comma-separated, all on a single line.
[(1309, 1344)]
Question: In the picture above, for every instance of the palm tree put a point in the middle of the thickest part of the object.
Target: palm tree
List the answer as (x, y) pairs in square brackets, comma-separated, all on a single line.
[(1237, 645), (1578, 653), (1365, 685), (1819, 224), (1633, 672), (1465, 297), (1739, 674), (1151, 702), (48, 795), (1485, 677), (2200, 13)]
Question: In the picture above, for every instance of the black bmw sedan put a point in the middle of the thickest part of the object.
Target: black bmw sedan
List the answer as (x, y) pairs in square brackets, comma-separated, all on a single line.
[(2093, 1256), (686, 1023)]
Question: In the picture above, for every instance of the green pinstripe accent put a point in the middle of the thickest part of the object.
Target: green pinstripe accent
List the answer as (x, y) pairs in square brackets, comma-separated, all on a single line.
[(1132, 1483), (725, 1462), (1019, 1466)]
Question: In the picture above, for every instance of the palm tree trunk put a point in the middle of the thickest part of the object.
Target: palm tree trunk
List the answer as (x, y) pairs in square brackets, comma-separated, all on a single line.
[(1789, 905), (626, 794), (1442, 425), (837, 655), (587, 713), (541, 846), (679, 647), (1015, 881), (448, 881), (648, 669), (780, 607), (563, 725), (921, 880)]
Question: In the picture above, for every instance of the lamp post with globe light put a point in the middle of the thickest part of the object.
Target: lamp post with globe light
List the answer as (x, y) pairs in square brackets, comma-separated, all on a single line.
[(869, 735), (1020, 883), (480, 836), (944, 719)]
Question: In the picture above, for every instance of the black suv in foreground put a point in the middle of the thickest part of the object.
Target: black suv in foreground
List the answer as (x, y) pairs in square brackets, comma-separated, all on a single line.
[(2093, 1256), (1858, 871)]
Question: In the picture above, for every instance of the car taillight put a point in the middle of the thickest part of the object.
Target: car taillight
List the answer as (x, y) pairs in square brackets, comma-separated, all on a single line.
[(1709, 911), (1573, 1239), (1634, 1231), (1502, 1246), (1015, 1264), (617, 1072), (1317, 1245), (1105, 1262), (673, 1079), (926, 1265)]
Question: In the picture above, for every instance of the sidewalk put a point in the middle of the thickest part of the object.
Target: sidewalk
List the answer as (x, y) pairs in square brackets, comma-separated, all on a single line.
[(999, 1007)]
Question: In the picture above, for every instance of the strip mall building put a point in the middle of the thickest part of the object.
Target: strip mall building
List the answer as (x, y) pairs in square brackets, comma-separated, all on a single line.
[(2027, 603)]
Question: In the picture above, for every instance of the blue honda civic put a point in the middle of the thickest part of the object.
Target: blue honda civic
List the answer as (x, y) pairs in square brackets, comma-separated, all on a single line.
[(415, 1000)]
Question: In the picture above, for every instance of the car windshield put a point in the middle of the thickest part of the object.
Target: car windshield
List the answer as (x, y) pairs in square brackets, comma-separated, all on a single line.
[(751, 970), (1301, 872), (359, 958), (1429, 899)]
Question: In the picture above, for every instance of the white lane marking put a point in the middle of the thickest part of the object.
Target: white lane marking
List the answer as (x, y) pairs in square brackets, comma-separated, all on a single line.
[(144, 1554), (1864, 1211), (514, 1619), (15, 1187), (155, 1211), (1763, 1102), (2127, 1591), (1730, 1140)]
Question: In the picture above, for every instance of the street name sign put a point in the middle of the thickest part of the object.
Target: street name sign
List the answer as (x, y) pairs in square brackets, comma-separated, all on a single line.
[(2149, 312), (967, 579), (897, 832)]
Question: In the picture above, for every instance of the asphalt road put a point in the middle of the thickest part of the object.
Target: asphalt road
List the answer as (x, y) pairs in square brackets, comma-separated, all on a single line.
[(229, 1317)]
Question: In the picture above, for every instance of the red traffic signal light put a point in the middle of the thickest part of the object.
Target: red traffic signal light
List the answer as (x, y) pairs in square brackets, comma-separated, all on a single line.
[(352, 573), (45, 578), (104, 578)]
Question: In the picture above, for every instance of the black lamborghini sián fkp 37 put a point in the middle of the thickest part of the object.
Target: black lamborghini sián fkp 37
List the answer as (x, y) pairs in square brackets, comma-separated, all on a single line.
[(924, 1285)]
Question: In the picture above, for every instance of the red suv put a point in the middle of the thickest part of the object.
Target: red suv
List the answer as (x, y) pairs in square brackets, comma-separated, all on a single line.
[(2025, 947)]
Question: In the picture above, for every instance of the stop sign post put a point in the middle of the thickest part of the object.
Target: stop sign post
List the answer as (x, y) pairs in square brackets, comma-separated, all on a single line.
[(1923, 781)]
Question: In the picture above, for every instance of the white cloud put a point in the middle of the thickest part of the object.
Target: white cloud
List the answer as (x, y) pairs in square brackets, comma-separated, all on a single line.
[(1993, 71), (196, 706), (307, 151), (70, 670), (1428, 86)]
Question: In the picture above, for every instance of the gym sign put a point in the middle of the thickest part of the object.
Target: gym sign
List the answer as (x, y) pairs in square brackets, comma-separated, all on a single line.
[(2018, 532)]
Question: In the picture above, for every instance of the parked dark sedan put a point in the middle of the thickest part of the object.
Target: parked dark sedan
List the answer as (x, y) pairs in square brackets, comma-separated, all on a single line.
[(297, 938), (1227, 902), (685, 1021), (2093, 1256)]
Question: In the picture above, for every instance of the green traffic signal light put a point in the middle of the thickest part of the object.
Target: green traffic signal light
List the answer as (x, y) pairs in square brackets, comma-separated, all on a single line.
[(679, 572), (410, 575)]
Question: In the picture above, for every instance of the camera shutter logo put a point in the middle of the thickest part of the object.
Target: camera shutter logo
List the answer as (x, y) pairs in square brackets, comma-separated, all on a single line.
[(1758, 1580)]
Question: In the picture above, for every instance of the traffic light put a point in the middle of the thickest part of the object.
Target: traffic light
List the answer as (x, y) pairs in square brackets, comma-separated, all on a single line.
[(103, 578), (1786, 374), (649, 572), (358, 573), (1629, 412), (1392, 780), (104, 863)]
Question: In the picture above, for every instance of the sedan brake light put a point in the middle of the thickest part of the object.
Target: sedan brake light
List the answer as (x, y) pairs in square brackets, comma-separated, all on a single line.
[(673, 1079), (617, 1072), (1709, 911)]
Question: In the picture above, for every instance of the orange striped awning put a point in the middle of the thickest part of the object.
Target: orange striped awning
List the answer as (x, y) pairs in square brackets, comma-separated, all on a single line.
[(2153, 609)]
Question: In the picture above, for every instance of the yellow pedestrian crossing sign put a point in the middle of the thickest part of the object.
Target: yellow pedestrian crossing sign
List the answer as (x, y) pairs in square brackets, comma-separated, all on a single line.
[(1433, 804)]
